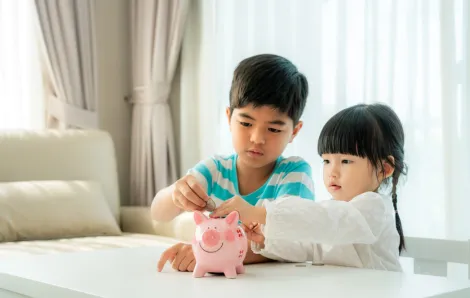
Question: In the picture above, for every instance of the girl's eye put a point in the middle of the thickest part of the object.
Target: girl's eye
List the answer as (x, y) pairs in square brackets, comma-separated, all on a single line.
[(274, 130), (346, 161), (326, 161), (246, 124)]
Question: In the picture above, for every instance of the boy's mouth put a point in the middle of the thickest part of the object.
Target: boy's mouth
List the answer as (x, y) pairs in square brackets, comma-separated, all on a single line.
[(254, 152)]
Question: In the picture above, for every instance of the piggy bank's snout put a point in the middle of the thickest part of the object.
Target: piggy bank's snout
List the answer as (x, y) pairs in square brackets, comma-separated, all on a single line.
[(210, 238)]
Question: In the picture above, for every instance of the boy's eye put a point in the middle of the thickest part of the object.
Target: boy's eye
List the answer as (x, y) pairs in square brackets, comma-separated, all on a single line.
[(346, 161), (274, 130), (326, 161), (246, 124)]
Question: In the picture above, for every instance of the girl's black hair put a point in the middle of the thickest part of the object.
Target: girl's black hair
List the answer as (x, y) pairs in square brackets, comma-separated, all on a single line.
[(371, 131)]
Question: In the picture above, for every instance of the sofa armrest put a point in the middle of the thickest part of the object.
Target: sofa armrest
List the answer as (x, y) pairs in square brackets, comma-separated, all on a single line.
[(136, 219), (181, 227)]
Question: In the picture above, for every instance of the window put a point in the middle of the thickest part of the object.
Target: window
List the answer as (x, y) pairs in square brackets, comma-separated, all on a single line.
[(410, 54), (21, 96)]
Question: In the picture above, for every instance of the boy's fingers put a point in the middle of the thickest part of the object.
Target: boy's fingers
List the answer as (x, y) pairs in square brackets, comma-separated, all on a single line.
[(190, 195), (161, 262), (185, 203), (184, 265), (218, 212), (178, 261), (167, 255), (192, 265), (198, 190), (222, 210)]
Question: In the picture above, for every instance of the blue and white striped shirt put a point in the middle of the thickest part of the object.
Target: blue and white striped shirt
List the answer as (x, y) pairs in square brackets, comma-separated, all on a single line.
[(218, 175)]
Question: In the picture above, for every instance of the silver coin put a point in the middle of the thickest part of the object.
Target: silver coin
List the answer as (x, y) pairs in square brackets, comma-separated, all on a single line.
[(210, 205), (300, 265)]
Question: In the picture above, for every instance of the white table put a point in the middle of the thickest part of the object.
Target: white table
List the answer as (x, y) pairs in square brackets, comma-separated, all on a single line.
[(132, 273)]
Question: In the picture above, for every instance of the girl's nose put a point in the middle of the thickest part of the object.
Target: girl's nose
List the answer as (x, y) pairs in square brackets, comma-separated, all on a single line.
[(334, 172)]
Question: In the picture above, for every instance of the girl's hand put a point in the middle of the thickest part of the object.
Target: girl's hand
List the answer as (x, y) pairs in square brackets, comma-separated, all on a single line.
[(247, 212), (253, 233)]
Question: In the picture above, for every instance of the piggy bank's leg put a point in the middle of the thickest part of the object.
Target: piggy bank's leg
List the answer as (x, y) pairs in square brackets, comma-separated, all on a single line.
[(230, 272), (199, 271), (240, 269)]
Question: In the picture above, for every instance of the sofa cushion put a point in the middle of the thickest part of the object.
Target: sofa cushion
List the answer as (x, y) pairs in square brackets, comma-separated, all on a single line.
[(41, 210), (21, 248)]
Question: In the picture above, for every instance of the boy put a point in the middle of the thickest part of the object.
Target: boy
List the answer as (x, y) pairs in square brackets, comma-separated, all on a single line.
[(267, 98)]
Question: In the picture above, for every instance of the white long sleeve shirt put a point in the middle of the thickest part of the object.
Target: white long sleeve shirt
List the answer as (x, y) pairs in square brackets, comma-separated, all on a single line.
[(359, 233)]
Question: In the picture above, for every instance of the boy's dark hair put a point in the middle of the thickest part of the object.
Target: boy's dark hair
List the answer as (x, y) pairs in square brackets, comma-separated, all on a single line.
[(269, 80), (369, 131)]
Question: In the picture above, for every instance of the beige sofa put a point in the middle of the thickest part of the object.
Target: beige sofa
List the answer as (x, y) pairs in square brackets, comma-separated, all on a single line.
[(59, 193)]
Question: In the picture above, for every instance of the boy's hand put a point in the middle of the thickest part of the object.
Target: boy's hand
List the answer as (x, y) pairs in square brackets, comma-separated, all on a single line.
[(253, 233), (247, 212), (181, 257), (189, 195)]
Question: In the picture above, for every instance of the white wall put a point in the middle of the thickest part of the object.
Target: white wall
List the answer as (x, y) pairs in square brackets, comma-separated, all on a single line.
[(114, 81)]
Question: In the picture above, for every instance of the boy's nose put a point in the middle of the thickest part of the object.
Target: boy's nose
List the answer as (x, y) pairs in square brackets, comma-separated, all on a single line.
[(257, 137)]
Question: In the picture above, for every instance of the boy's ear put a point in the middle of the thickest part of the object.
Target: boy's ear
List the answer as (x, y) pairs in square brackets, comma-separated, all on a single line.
[(229, 116), (389, 166), (296, 131)]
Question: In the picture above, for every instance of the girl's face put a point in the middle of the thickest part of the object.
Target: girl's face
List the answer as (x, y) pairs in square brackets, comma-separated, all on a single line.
[(346, 176)]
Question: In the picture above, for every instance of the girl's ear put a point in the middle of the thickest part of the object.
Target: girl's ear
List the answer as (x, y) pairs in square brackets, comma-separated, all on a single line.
[(389, 166)]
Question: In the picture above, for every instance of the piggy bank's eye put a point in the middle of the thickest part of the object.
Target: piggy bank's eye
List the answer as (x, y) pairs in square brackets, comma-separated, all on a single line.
[(215, 228)]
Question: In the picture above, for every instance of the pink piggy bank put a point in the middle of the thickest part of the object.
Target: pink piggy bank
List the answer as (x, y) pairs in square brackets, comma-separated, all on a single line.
[(219, 245)]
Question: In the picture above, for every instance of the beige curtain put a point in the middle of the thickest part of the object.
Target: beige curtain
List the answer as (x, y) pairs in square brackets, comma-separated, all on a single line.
[(68, 35), (156, 29)]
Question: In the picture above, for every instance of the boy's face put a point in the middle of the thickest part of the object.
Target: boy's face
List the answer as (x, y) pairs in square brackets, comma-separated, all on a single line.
[(260, 135)]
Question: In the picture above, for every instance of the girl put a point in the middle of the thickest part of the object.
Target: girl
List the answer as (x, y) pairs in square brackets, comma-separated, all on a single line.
[(362, 148)]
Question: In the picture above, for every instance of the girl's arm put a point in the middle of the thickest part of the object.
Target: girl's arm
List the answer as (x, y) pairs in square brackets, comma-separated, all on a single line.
[(331, 222)]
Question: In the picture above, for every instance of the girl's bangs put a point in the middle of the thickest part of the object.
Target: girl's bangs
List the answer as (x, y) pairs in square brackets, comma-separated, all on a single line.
[(351, 132)]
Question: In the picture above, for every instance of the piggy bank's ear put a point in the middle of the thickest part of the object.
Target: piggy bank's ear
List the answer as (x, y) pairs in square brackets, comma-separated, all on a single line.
[(232, 218), (199, 217)]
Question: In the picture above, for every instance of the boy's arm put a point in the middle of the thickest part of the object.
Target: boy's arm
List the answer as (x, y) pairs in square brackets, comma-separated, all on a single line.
[(163, 209), (296, 181)]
